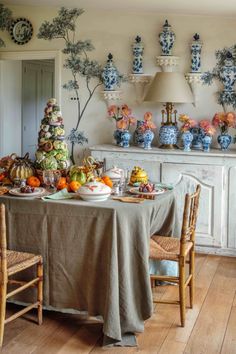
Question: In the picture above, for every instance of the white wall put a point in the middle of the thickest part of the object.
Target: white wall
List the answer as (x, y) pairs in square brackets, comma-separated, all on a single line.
[(11, 73), (114, 32)]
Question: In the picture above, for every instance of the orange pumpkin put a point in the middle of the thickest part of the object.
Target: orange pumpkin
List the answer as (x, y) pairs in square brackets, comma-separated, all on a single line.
[(107, 181), (33, 181), (62, 183), (74, 186)]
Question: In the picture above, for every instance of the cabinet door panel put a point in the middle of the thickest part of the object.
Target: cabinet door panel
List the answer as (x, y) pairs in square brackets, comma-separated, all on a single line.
[(232, 208), (185, 177)]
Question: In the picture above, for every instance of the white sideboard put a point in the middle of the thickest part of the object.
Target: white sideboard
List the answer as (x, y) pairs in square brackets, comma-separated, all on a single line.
[(214, 171)]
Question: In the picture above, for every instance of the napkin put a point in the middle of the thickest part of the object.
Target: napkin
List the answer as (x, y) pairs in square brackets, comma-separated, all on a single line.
[(63, 194), (164, 185)]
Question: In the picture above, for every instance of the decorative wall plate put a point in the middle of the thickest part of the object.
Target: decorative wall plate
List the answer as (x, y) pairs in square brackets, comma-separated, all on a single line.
[(21, 31)]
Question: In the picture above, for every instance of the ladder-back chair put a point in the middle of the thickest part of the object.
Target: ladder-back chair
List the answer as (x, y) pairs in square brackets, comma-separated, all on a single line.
[(181, 251), (12, 262)]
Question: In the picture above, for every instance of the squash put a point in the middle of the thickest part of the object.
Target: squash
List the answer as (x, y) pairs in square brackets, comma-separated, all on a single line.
[(21, 168)]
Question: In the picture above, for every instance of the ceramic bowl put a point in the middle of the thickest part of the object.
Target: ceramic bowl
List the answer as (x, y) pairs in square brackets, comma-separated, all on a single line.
[(94, 191)]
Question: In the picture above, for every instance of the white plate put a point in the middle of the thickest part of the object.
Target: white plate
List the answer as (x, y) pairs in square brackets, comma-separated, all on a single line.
[(18, 193), (155, 192)]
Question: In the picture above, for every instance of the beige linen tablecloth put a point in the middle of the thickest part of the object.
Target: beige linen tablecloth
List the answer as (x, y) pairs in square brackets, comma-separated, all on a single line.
[(95, 254)]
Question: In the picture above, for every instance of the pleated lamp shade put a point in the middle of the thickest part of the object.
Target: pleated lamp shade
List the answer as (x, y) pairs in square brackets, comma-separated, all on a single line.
[(169, 87)]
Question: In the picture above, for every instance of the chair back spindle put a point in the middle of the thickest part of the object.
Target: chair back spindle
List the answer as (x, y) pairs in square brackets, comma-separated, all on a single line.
[(189, 218), (3, 246)]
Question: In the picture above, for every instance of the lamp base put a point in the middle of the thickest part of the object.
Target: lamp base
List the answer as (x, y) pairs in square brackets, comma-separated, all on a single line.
[(169, 146), (168, 136)]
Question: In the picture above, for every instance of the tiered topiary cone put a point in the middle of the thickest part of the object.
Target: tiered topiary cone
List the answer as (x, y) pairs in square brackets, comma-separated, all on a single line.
[(52, 152)]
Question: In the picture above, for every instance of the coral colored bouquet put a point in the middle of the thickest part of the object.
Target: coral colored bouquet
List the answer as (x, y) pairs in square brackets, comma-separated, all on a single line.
[(147, 124), (206, 127), (224, 121), (188, 123), (122, 115)]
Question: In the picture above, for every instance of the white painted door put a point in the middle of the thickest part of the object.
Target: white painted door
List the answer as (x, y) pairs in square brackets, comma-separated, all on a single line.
[(37, 88), (211, 228)]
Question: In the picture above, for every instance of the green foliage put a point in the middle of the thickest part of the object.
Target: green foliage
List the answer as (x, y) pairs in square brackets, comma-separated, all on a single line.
[(77, 61), (5, 21)]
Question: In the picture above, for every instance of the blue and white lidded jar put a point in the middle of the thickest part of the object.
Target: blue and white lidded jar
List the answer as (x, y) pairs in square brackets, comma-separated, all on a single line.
[(228, 73), (166, 39), (110, 75), (196, 47), (137, 48), (148, 137), (187, 138)]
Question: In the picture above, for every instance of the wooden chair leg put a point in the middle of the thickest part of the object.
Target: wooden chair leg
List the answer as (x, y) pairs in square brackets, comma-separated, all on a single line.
[(191, 271), (182, 290), (2, 310), (40, 292)]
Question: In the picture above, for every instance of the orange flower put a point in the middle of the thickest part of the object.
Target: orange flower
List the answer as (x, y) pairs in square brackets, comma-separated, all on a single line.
[(121, 124), (112, 110), (126, 111), (148, 116)]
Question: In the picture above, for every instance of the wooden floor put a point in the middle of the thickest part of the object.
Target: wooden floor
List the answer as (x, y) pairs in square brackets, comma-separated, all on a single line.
[(210, 326)]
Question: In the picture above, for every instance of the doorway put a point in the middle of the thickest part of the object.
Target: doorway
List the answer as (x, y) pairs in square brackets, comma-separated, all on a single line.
[(37, 88), (12, 136)]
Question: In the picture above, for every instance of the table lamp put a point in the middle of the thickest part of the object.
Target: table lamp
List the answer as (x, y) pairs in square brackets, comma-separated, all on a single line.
[(169, 88)]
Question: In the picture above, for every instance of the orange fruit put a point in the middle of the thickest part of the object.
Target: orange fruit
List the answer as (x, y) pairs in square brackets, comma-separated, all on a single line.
[(62, 183), (74, 186), (33, 181), (107, 181)]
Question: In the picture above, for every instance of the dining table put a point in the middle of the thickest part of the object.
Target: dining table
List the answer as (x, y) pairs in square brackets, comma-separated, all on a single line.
[(95, 255)]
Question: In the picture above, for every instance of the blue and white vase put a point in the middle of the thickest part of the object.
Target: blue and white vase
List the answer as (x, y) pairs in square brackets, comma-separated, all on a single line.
[(168, 135), (206, 142), (125, 139), (148, 137), (166, 39), (196, 48), (224, 141), (137, 48), (110, 75), (117, 136), (227, 75), (197, 138), (187, 138), (138, 134)]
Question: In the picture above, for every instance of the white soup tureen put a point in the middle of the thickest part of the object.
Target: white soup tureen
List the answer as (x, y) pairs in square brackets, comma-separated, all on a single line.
[(94, 191)]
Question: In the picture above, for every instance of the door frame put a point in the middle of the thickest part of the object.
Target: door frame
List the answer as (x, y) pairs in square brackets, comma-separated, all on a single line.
[(31, 55)]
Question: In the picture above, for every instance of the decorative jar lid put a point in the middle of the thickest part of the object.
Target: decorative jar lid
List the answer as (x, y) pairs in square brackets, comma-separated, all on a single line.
[(115, 173), (94, 188)]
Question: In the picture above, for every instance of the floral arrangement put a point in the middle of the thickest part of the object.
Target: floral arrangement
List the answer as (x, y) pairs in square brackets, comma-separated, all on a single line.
[(224, 121), (188, 123), (122, 116), (147, 123), (206, 127)]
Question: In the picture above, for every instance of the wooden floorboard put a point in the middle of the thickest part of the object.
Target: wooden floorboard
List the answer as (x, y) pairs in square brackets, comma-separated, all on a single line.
[(210, 325)]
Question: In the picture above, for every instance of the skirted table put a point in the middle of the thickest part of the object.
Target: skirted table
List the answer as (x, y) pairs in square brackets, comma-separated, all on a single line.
[(95, 255)]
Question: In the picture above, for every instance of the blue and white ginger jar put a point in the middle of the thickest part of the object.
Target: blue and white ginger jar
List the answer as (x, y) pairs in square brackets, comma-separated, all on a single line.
[(196, 48), (138, 48), (197, 138), (110, 75), (122, 137), (187, 138), (166, 39), (224, 141), (206, 142), (138, 134), (148, 137)]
